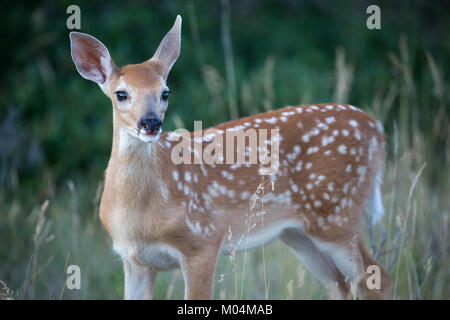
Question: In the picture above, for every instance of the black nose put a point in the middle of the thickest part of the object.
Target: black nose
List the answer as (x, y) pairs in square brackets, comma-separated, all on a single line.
[(151, 125)]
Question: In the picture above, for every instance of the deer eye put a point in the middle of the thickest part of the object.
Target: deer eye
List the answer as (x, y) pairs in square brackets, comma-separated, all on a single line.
[(121, 95), (165, 95)]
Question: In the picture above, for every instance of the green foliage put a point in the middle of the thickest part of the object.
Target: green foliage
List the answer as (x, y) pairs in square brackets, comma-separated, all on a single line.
[(56, 127)]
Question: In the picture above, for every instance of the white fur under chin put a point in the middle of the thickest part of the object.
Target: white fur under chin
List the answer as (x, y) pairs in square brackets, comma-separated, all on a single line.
[(130, 140), (150, 139)]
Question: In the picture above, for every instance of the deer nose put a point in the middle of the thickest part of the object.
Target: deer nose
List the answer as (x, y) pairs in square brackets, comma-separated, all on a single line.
[(150, 125)]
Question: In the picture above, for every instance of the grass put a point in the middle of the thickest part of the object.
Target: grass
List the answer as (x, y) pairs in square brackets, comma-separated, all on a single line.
[(41, 238)]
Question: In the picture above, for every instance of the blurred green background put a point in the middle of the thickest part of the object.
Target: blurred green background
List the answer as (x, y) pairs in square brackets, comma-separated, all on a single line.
[(238, 58)]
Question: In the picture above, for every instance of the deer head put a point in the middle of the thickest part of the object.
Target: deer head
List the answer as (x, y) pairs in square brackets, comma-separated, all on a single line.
[(138, 92)]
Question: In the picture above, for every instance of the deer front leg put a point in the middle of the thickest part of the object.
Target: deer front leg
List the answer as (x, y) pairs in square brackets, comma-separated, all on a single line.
[(139, 281), (198, 272)]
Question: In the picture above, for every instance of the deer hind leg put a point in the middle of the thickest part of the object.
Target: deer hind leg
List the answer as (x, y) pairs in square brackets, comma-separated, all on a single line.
[(359, 268), (369, 287), (316, 262)]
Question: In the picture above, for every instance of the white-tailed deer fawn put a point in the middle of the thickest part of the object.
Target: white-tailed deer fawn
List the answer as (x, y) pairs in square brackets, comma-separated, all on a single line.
[(163, 215)]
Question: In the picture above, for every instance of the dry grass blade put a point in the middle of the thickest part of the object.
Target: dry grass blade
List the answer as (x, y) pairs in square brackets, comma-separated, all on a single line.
[(343, 77), (5, 292), (229, 61), (37, 233), (405, 223)]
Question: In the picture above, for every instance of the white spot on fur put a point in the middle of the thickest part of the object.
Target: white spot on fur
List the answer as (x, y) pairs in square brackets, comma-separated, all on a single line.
[(322, 126), (312, 150), (235, 166), (305, 137), (227, 175), (327, 140), (293, 155), (372, 146), (271, 120), (344, 202), (245, 195), (298, 167), (342, 149), (330, 120), (288, 113), (353, 123), (362, 173)]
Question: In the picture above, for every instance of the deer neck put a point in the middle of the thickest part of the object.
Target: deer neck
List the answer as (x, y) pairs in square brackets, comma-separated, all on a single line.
[(134, 166)]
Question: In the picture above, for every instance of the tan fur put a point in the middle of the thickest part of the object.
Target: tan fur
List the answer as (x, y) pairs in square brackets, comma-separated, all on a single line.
[(161, 215)]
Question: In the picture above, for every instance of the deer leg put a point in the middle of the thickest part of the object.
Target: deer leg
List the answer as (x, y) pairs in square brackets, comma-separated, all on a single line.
[(357, 265), (369, 286), (139, 281), (198, 272), (317, 262)]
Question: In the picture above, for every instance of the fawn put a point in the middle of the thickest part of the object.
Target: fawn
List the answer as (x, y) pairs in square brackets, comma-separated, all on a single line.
[(161, 215)]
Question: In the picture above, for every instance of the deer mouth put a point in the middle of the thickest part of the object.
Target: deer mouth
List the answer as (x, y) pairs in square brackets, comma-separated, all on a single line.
[(149, 135), (150, 132)]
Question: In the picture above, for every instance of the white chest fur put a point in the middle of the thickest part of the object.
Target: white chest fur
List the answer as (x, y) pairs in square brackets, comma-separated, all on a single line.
[(156, 255)]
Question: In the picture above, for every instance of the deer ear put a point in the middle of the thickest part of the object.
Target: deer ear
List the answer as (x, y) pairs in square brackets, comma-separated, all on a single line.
[(91, 57), (169, 49)]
